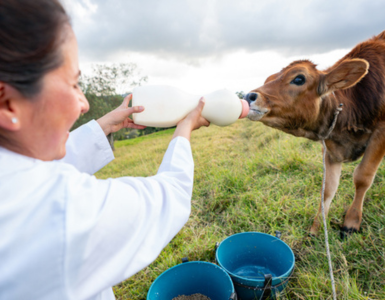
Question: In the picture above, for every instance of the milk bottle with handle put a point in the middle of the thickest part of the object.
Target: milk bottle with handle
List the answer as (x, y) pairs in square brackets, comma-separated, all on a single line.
[(165, 106)]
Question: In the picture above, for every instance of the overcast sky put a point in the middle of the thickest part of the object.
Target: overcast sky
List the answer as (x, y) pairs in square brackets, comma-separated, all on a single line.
[(204, 45)]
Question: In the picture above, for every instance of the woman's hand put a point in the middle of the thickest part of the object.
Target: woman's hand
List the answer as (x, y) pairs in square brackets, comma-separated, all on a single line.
[(192, 121), (118, 118)]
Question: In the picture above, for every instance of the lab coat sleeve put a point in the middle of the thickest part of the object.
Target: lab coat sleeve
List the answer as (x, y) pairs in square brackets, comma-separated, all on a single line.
[(88, 149), (119, 226)]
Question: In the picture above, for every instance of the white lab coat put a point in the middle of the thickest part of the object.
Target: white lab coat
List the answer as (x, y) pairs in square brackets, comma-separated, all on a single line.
[(66, 235)]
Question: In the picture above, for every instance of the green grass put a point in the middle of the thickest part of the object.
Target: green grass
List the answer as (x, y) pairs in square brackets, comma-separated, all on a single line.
[(249, 177)]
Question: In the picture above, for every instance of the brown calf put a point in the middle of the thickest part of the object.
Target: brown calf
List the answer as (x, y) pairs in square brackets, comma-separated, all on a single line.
[(301, 100)]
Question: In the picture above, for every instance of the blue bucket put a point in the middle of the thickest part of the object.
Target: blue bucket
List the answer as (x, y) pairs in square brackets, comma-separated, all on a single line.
[(259, 264), (190, 278)]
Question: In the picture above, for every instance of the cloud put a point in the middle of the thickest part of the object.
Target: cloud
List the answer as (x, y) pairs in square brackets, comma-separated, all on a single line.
[(196, 29)]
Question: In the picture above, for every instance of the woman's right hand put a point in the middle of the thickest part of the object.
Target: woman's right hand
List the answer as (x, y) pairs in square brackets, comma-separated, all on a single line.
[(192, 121)]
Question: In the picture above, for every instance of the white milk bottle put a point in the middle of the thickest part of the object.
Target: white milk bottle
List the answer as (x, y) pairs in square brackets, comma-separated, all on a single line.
[(165, 106)]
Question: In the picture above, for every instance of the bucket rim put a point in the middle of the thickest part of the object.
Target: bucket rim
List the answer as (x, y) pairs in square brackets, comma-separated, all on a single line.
[(245, 279), (189, 263)]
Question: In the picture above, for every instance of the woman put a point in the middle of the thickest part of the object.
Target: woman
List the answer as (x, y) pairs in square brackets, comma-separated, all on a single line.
[(64, 233)]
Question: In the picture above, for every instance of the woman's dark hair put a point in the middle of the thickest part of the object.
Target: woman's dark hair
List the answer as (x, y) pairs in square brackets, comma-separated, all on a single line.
[(31, 32)]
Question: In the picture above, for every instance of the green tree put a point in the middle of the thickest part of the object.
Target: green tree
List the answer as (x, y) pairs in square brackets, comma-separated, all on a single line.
[(105, 90), (240, 94), (112, 79)]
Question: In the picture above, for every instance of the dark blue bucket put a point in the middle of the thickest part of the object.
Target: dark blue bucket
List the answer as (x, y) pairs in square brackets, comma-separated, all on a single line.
[(190, 278), (259, 264)]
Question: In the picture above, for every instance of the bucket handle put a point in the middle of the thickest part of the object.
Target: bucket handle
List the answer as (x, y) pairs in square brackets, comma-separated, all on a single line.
[(266, 289), (215, 251), (278, 234), (184, 260), (267, 286), (263, 288)]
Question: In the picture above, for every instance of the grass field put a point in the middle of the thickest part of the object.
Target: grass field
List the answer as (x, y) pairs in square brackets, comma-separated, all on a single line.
[(249, 177)]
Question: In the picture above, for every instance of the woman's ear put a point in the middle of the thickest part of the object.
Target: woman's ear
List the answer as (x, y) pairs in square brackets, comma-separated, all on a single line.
[(9, 116)]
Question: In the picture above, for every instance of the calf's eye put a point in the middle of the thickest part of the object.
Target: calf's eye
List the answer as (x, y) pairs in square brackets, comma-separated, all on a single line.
[(299, 80)]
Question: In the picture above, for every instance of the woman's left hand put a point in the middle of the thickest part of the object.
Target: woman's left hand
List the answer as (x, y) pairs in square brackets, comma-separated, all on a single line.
[(118, 118)]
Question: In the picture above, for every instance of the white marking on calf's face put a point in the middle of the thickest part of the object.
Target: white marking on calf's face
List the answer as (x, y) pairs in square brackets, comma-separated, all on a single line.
[(256, 113)]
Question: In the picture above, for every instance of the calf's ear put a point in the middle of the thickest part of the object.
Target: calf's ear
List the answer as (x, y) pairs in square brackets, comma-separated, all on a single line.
[(271, 78), (343, 75)]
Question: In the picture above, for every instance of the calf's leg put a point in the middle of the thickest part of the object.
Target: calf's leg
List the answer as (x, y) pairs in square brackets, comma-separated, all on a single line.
[(363, 178), (332, 179)]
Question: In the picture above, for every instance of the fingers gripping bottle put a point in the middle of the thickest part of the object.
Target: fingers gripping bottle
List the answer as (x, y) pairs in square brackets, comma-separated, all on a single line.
[(165, 106)]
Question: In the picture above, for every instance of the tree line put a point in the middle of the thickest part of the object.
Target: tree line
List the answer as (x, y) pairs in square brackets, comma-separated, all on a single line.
[(105, 90)]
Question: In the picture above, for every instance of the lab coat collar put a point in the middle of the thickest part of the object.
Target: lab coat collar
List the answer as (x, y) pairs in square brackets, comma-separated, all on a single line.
[(14, 162)]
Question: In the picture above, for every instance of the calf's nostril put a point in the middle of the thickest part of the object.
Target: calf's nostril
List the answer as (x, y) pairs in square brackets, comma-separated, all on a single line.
[(251, 97)]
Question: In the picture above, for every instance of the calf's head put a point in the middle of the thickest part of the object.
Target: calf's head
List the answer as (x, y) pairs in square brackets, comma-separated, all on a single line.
[(292, 98)]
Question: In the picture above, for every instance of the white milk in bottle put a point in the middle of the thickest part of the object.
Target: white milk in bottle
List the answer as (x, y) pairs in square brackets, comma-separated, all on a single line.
[(165, 106)]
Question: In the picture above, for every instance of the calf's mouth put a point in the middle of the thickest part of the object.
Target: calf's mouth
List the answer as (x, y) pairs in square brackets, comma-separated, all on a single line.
[(256, 112)]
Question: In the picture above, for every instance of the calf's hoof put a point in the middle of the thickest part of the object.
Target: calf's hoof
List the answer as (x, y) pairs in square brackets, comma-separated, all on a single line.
[(309, 240), (314, 231), (345, 232), (311, 235)]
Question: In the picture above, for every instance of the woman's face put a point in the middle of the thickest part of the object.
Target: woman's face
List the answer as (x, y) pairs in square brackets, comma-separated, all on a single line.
[(56, 108)]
